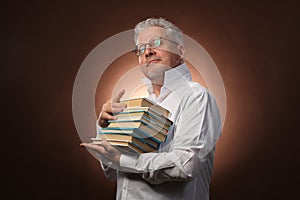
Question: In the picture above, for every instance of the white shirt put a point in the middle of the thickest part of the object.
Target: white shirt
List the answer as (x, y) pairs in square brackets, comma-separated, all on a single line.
[(182, 168)]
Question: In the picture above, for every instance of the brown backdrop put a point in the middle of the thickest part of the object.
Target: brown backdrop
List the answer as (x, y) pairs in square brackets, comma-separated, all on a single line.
[(255, 46)]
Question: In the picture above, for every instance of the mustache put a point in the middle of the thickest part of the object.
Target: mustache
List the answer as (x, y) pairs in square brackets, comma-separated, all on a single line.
[(152, 59)]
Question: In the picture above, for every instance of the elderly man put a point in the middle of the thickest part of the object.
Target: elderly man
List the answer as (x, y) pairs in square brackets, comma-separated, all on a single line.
[(182, 167)]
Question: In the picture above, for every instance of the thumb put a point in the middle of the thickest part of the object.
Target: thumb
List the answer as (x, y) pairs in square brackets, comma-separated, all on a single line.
[(117, 98)]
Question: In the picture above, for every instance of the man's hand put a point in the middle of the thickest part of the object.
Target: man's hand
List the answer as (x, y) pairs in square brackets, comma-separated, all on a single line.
[(105, 149), (111, 106)]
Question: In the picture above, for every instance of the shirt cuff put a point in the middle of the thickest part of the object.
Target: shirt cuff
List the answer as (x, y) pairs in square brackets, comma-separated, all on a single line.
[(128, 162)]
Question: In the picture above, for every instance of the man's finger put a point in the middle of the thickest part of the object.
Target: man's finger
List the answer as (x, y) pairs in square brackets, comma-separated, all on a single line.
[(116, 110), (93, 147), (104, 143), (118, 105), (107, 116), (117, 98)]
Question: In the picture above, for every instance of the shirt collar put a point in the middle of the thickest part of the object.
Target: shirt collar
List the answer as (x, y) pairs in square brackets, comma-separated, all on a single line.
[(174, 78)]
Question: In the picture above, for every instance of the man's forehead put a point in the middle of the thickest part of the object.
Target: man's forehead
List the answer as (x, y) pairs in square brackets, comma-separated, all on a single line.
[(149, 33)]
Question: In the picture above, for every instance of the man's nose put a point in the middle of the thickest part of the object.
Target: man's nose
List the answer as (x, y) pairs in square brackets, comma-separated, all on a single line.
[(149, 52)]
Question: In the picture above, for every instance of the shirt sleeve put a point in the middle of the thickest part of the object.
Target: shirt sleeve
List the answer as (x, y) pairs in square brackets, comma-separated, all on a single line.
[(109, 172), (197, 128)]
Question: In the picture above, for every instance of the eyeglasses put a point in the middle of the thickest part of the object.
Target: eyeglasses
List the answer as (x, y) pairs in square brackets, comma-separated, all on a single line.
[(154, 42)]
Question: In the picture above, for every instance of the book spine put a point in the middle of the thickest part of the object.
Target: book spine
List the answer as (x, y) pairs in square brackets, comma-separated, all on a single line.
[(157, 123), (153, 138)]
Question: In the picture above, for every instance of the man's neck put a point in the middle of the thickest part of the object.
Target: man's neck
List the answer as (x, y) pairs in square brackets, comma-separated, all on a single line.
[(156, 88)]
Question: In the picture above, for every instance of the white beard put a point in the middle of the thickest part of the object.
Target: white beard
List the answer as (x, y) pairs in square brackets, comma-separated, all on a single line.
[(155, 72)]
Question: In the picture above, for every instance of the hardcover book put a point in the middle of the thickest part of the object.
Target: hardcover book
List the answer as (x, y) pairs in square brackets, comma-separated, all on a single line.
[(144, 102), (140, 128)]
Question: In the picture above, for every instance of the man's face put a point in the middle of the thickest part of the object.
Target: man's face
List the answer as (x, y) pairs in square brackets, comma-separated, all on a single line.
[(155, 61)]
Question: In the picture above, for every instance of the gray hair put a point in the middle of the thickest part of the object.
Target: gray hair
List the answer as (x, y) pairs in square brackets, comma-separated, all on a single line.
[(171, 29)]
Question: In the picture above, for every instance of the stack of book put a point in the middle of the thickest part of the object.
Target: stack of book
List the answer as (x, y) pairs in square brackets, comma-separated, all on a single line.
[(139, 128)]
